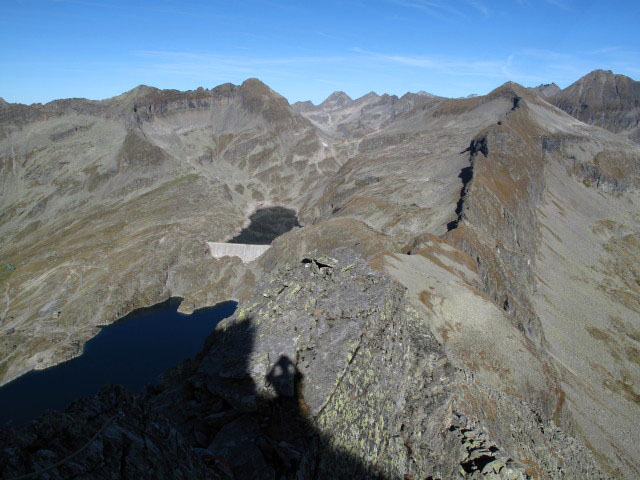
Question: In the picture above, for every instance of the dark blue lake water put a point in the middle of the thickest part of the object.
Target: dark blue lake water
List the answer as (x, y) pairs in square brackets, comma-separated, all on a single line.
[(131, 352)]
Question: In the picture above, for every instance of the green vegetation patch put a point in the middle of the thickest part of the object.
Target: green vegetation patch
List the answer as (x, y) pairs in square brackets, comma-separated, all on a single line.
[(5, 273)]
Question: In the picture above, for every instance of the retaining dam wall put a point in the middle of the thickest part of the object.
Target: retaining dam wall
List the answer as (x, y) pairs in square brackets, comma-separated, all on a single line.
[(246, 252)]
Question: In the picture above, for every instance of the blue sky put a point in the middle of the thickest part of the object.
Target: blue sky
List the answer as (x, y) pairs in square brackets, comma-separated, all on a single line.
[(306, 50)]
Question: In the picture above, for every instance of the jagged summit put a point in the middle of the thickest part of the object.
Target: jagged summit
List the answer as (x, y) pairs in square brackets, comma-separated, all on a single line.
[(513, 91), (547, 89), (303, 106), (603, 82), (368, 97), (258, 85)]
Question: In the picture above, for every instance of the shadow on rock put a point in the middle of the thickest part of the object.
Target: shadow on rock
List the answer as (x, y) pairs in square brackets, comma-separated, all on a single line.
[(325, 373)]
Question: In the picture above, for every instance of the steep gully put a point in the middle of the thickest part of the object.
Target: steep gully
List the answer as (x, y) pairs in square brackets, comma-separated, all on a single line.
[(466, 174)]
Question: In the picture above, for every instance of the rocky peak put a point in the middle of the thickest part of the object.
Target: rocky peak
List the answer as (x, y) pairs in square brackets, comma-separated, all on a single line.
[(603, 86), (256, 86), (594, 83), (140, 91), (600, 74), (336, 100), (512, 91), (605, 99), (135, 95), (371, 96), (259, 98)]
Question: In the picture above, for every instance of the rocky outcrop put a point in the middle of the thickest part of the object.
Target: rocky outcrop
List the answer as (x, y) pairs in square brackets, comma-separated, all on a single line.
[(326, 372), (109, 435)]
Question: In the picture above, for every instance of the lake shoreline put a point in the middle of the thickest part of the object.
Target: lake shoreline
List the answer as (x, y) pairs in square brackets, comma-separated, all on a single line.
[(132, 351)]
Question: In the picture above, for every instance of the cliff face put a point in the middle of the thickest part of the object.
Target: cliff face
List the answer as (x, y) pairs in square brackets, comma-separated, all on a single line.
[(326, 372)]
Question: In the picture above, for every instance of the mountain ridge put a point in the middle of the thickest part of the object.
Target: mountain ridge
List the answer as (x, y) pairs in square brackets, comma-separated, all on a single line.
[(507, 221)]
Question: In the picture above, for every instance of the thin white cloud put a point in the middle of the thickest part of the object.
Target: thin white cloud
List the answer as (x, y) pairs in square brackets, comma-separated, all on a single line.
[(530, 67), (518, 66), (563, 4), (459, 67), (203, 58), (212, 67), (438, 9), (543, 54), (481, 7)]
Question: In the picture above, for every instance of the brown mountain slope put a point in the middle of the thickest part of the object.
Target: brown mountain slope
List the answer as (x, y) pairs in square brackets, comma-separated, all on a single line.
[(532, 217)]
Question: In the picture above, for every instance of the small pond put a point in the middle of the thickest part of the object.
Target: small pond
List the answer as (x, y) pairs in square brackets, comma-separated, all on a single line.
[(131, 352), (267, 224)]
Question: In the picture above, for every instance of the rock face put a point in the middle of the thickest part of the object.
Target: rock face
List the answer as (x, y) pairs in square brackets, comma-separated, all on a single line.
[(326, 372), (110, 435), (603, 99)]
